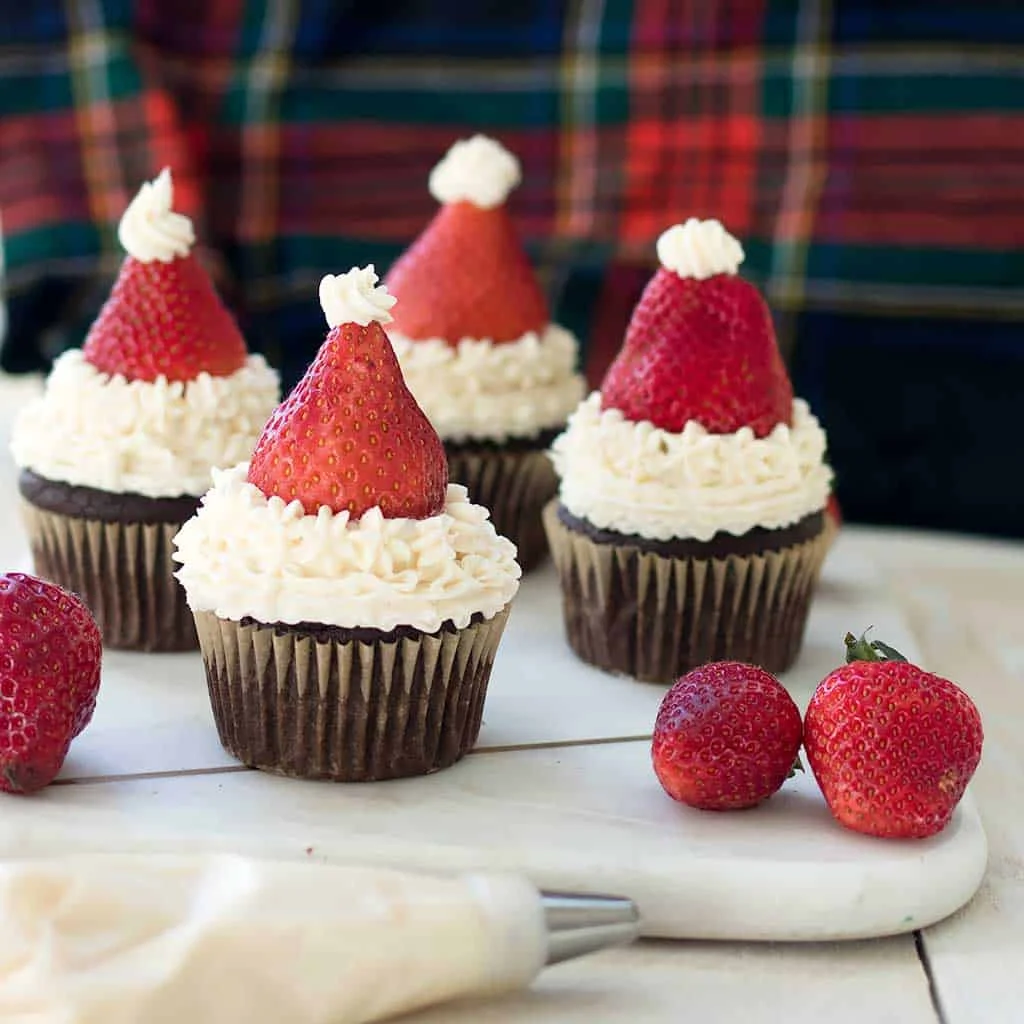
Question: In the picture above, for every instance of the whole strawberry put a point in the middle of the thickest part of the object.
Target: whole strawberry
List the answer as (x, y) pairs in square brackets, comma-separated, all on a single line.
[(163, 317), (350, 436), (726, 737), (893, 747), (700, 346), (467, 275), (50, 652)]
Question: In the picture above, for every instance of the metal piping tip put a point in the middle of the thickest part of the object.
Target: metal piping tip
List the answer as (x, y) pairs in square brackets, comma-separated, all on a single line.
[(579, 924)]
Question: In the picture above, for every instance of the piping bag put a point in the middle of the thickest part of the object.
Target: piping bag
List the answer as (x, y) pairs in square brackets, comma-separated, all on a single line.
[(130, 939)]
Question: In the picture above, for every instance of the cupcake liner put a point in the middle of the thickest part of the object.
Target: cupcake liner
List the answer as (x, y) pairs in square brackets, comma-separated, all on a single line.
[(515, 486), (303, 703), (122, 571), (655, 617)]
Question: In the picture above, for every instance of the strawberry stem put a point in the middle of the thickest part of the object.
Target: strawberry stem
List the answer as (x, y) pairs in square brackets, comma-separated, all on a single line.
[(862, 649)]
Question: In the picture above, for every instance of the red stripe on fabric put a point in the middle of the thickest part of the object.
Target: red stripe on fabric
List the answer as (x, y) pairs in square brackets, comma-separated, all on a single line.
[(620, 291), (941, 134)]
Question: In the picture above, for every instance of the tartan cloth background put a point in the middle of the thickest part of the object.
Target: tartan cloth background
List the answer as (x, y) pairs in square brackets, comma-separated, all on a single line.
[(870, 155)]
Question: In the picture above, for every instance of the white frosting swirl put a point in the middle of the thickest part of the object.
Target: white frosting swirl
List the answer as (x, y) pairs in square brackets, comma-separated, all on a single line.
[(150, 230), (154, 438), (699, 249), (244, 554), (355, 298), (636, 478), (479, 390), (477, 170)]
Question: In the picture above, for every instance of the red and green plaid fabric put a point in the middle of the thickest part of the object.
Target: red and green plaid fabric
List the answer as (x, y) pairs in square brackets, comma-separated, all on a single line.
[(870, 154)]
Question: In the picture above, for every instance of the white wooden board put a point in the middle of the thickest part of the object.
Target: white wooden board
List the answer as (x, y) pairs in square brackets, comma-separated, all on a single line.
[(560, 787)]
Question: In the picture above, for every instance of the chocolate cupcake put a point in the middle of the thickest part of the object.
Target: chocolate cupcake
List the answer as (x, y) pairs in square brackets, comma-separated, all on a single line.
[(116, 452), (690, 523), (474, 338), (349, 601)]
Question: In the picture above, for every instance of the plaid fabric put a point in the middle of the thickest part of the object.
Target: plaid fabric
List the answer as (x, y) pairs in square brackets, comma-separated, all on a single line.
[(870, 155)]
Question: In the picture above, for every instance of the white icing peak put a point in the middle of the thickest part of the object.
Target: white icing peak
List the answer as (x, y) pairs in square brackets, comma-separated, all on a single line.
[(355, 298), (699, 249), (150, 230), (477, 170)]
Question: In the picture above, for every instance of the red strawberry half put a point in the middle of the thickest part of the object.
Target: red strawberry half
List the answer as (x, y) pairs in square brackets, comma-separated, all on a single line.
[(164, 319), (467, 276), (50, 653), (893, 747), (351, 436), (702, 350), (726, 737)]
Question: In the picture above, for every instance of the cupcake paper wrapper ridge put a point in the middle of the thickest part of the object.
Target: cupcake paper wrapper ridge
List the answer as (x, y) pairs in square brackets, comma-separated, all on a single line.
[(515, 486), (122, 571), (352, 710), (654, 617)]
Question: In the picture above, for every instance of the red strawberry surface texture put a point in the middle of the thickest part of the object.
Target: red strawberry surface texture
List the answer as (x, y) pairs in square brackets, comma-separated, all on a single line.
[(50, 659), (701, 350), (350, 436), (164, 319), (726, 737), (892, 746), (467, 276)]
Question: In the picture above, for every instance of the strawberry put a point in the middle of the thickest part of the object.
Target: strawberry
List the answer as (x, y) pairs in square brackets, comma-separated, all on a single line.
[(351, 436), (164, 319), (833, 511), (50, 651), (726, 737), (466, 276), (700, 350), (892, 746)]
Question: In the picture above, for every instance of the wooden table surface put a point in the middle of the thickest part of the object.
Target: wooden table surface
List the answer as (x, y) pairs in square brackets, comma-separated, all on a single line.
[(964, 600)]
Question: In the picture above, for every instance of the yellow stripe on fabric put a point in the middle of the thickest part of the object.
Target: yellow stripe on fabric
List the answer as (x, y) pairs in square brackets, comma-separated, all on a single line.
[(261, 134), (88, 62)]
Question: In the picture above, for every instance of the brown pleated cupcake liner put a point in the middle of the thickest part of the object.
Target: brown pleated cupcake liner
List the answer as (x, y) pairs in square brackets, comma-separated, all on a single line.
[(122, 571), (654, 617), (515, 486), (305, 704)]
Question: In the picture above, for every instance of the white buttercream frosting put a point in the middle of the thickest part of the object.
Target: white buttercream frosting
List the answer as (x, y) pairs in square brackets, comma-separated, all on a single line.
[(635, 478), (355, 298), (482, 390), (244, 554), (699, 249), (155, 438), (150, 230), (477, 170)]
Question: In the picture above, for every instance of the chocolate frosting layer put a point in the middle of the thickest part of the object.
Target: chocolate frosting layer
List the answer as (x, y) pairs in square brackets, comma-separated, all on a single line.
[(721, 545), (540, 442), (106, 506)]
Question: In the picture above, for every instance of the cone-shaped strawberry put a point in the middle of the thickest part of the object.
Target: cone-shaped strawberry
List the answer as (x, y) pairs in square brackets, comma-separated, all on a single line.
[(701, 345), (163, 317), (351, 436), (467, 276)]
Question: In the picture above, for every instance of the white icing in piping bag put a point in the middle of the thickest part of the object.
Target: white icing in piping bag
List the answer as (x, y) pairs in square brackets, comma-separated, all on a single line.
[(129, 939)]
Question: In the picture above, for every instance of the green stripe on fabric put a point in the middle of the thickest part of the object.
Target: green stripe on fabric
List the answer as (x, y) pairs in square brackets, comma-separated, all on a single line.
[(50, 92), (909, 94), (910, 265), (67, 240), (527, 107)]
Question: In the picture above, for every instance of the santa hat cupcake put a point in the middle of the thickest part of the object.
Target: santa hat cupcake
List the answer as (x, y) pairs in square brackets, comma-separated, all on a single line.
[(474, 337), (690, 521), (349, 600), (118, 449)]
